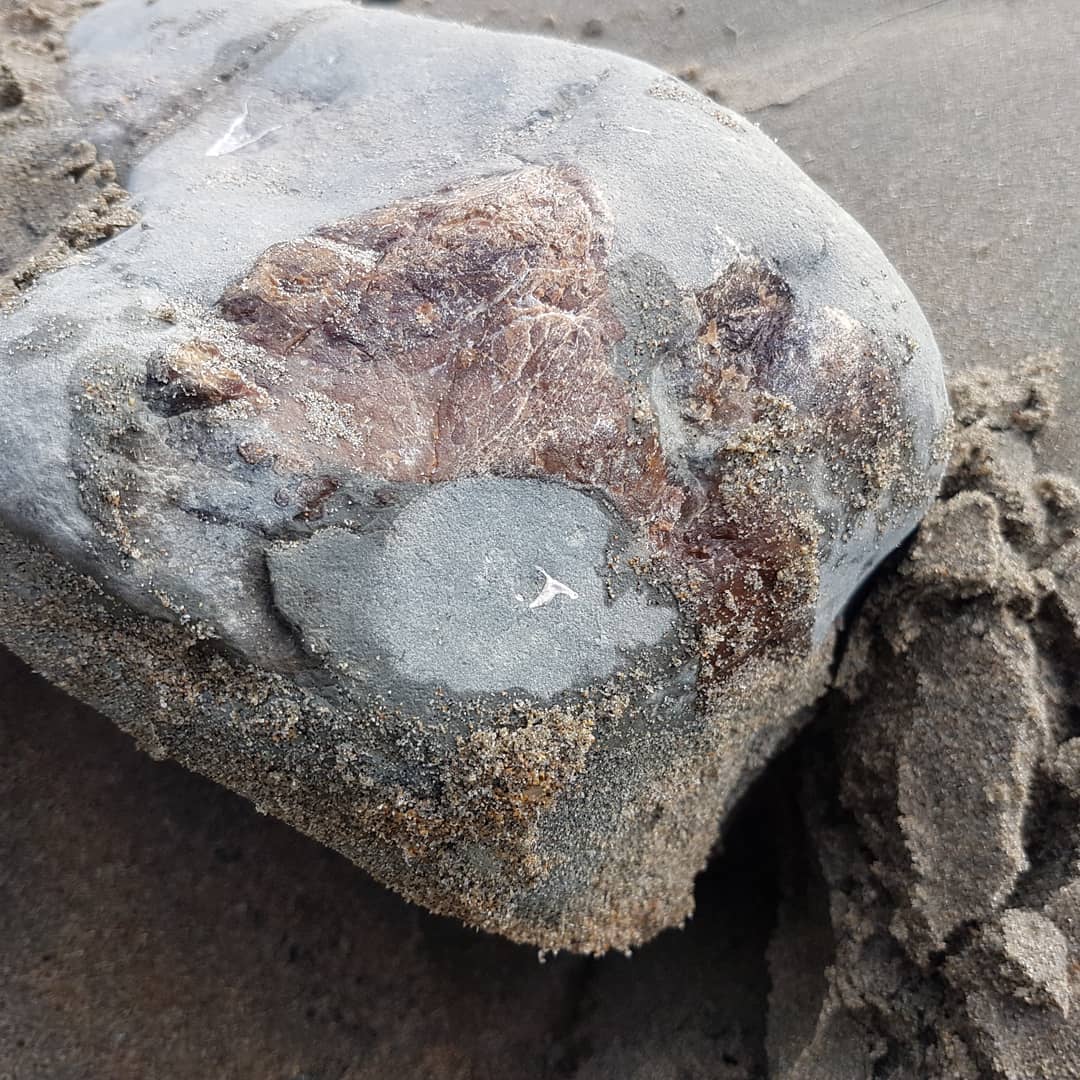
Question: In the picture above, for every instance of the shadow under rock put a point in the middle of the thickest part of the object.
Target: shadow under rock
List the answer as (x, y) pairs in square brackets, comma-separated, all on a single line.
[(153, 924)]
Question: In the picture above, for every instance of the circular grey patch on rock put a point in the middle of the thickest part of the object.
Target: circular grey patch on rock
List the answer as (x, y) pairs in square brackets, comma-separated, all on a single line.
[(479, 585)]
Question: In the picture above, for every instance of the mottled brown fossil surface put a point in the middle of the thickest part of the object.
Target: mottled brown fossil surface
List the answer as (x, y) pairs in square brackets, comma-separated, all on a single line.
[(477, 493)]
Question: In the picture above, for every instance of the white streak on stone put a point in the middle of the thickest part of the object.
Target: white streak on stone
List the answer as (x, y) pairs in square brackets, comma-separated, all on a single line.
[(551, 589), (237, 136)]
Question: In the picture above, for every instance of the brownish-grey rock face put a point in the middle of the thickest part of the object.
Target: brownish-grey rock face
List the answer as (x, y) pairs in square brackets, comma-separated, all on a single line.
[(480, 502)]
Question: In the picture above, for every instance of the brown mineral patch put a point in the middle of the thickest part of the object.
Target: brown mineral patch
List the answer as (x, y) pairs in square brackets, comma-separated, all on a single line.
[(196, 377), (828, 366), (472, 332), (755, 587), (746, 312), (465, 333), (313, 494), (254, 453)]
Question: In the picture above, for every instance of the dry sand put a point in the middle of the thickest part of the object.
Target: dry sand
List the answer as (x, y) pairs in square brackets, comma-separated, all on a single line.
[(897, 897)]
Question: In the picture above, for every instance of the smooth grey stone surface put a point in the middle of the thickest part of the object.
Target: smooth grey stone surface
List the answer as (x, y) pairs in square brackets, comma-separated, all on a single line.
[(459, 592)]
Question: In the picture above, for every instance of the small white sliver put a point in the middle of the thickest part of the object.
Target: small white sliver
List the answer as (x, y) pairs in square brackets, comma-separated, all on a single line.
[(238, 136), (551, 589)]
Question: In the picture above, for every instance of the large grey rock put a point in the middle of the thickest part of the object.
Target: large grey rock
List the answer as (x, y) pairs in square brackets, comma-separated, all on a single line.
[(474, 487)]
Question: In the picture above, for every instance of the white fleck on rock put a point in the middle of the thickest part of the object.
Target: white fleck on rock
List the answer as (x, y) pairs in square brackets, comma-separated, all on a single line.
[(551, 589)]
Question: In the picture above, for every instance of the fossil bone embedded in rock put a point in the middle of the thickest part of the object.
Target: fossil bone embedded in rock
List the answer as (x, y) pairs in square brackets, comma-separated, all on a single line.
[(475, 488)]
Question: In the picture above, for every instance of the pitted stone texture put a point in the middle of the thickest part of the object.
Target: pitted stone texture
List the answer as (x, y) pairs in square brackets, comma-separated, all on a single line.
[(475, 488)]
